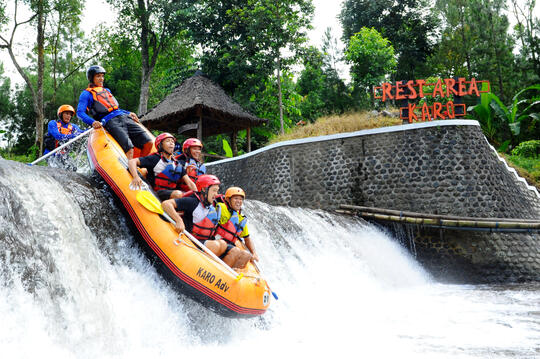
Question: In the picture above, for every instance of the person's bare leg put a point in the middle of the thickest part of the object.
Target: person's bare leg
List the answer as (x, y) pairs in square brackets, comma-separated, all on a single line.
[(177, 194), (129, 154), (242, 259), (215, 246), (232, 257)]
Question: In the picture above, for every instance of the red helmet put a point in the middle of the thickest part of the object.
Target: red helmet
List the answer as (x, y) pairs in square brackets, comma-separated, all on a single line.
[(64, 108), (205, 181), (161, 137), (191, 142)]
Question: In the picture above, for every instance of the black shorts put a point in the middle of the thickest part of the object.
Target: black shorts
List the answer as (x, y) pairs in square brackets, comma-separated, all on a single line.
[(127, 132), (227, 250), (164, 194)]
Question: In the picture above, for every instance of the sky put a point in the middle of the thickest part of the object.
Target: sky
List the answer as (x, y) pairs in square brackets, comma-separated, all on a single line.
[(326, 12)]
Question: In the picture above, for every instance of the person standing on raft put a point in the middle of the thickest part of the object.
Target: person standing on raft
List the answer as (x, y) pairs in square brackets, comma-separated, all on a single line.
[(201, 219), (104, 111), (164, 172)]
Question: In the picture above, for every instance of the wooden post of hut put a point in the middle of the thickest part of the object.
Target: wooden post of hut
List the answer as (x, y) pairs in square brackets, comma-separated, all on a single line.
[(234, 138), (249, 139)]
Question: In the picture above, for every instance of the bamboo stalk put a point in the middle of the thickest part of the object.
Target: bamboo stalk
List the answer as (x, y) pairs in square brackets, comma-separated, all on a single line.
[(433, 216), (438, 222)]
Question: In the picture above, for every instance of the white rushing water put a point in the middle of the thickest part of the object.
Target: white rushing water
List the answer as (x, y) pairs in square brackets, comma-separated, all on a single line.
[(345, 290)]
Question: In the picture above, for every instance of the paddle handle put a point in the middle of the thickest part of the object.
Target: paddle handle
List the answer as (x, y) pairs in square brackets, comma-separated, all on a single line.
[(259, 270), (204, 248), (60, 147)]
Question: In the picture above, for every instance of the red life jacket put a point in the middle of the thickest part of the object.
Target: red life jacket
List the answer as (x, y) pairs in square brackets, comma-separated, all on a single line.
[(193, 169), (169, 176), (205, 228), (231, 230), (63, 130), (104, 102)]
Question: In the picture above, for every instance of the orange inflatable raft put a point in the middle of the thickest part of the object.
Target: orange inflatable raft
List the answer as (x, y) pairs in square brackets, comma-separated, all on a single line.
[(192, 271)]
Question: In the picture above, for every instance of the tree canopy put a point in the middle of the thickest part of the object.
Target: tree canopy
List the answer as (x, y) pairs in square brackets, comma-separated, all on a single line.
[(257, 50)]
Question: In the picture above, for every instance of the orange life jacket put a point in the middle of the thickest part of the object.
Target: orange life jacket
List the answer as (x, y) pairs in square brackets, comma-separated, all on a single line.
[(63, 130), (104, 102), (205, 228), (231, 230)]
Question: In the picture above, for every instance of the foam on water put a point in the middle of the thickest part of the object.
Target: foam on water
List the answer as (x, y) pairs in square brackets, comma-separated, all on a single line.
[(345, 289)]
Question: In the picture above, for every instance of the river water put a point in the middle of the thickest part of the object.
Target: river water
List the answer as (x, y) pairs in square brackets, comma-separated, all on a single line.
[(74, 284)]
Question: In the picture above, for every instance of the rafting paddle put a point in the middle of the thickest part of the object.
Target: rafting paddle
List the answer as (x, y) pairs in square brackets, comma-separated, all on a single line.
[(151, 203), (60, 147)]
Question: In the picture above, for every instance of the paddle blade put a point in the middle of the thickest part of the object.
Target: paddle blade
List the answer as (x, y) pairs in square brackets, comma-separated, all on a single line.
[(149, 201)]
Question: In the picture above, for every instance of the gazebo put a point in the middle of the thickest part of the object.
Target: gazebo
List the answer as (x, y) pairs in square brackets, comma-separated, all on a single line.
[(200, 108)]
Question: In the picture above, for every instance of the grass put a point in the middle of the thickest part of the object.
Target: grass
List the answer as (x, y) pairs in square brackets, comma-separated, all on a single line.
[(526, 167), (329, 125), (19, 158)]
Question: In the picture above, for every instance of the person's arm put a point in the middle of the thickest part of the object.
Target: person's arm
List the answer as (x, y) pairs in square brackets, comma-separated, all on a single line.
[(85, 101), (76, 130), (169, 206), (52, 128), (136, 182), (189, 183), (251, 247)]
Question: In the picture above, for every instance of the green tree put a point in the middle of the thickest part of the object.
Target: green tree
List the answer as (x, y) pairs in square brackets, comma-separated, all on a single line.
[(323, 91), (282, 25), (245, 42), (156, 23), (493, 45), (408, 24), (527, 31), (452, 56), (42, 11), (371, 57)]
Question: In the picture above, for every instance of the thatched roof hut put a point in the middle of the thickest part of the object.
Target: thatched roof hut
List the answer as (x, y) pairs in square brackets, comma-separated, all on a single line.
[(201, 108)]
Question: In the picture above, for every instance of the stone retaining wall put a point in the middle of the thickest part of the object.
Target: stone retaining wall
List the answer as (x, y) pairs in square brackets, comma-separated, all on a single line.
[(441, 167)]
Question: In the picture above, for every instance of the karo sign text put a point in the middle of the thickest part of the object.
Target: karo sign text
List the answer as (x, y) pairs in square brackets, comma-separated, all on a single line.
[(418, 89)]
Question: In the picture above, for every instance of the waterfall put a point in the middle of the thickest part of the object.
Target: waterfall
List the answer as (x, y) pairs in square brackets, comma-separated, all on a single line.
[(75, 284)]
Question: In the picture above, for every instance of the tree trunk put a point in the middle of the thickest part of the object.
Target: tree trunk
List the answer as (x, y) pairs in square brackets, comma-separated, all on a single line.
[(496, 54), (148, 63), (41, 63), (282, 129)]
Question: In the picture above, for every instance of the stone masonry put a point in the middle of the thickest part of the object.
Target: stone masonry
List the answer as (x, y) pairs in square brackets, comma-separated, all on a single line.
[(441, 167)]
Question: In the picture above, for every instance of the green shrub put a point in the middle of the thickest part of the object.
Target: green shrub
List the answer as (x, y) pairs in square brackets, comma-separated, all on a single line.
[(527, 149)]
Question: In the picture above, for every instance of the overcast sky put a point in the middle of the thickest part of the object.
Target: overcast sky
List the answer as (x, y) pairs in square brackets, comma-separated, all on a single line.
[(326, 12)]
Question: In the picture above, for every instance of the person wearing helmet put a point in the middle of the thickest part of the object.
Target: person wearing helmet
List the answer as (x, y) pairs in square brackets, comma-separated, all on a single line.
[(103, 110), (191, 159), (233, 225), (60, 129), (164, 172), (201, 217)]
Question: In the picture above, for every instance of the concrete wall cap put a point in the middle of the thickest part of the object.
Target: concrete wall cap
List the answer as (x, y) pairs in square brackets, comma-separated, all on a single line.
[(406, 127)]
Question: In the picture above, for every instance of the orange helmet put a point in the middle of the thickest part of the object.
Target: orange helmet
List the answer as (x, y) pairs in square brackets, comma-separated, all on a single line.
[(234, 191), (190, 142), (161, 137), (205, 181), (64, 108)]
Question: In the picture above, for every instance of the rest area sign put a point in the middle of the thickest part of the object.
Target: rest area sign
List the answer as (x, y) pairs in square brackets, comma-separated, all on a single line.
[(420, 90)]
